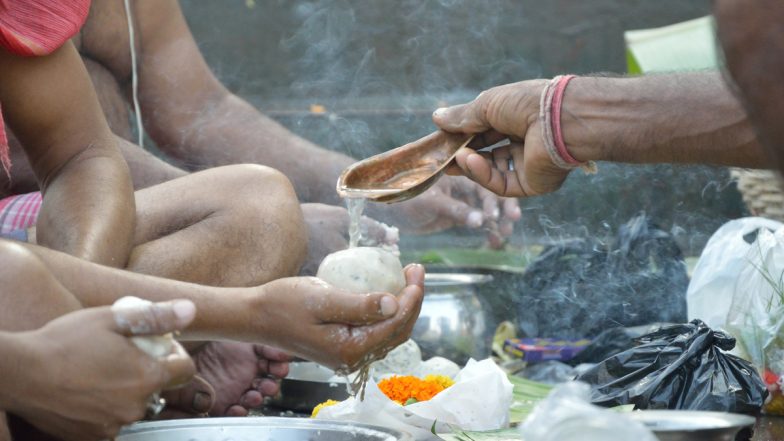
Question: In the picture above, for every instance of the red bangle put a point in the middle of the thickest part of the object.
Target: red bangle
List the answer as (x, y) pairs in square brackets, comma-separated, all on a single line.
[(560, 145), (550, 119)]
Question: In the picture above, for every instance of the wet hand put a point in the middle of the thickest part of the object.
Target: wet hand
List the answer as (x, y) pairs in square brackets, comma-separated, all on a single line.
[(87, 378), (328, 232), (456, 201), (508, 113), (316, 321)]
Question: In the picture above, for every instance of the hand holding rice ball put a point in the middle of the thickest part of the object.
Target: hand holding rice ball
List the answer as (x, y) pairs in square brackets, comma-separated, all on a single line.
[(362, 270)]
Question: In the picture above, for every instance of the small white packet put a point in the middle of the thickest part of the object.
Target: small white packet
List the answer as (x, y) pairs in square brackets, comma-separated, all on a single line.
[(479, 400)]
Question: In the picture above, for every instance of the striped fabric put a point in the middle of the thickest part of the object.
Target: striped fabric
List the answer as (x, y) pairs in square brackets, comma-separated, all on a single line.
[(19, 213)]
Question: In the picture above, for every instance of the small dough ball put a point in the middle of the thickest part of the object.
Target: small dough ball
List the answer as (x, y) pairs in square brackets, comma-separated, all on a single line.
[(439, 366), (403, 360), (156, 346), (362, 270)]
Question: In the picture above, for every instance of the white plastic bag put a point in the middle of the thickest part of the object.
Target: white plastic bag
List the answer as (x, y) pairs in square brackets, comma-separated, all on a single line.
[(718, 270), (568, 415), (756, 316), (479, 400)]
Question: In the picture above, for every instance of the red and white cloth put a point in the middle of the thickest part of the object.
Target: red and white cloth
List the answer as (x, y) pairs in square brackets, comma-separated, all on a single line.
[(18, 213)]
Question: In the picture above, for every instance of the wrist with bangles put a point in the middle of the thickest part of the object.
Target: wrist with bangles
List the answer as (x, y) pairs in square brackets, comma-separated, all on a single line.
[(550, 109)]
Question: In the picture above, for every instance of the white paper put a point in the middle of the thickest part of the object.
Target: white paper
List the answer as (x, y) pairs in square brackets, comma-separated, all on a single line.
[(479, 400)]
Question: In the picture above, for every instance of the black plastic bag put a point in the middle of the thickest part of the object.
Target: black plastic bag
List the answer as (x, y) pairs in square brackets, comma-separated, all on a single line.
[(579, 288), (606, 344), (678, 367)]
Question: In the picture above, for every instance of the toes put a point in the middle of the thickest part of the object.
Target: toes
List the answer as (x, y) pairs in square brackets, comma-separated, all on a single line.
[(251, 399), (197, 397), (236, 411), (269, 388)]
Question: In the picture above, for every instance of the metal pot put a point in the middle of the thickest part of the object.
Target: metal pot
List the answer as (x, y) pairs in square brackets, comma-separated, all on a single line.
[(692, 425), (307, 385), (453, 323), (257, 429)]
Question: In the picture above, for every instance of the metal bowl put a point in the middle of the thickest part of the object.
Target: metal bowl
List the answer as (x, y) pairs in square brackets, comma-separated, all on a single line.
[(307, 385), (257, 429), (453, 322), (691, 425)]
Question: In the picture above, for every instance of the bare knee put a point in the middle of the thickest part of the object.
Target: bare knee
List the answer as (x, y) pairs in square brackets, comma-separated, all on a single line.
[(30, 295), (266, 197)]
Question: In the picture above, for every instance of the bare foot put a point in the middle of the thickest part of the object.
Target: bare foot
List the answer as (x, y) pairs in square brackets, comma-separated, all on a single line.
[(237, 372), (195, 399)]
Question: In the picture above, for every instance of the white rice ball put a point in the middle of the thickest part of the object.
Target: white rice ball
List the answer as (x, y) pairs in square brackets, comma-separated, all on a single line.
[(362, 270)]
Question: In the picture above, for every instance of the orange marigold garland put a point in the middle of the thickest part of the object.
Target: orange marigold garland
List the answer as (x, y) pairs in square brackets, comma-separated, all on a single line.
[(409, 389)]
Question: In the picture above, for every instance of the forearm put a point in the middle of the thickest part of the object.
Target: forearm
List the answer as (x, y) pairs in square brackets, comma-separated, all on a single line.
[(88, 209), (683, 118), (15, 366), (231, 131), (223, 313)]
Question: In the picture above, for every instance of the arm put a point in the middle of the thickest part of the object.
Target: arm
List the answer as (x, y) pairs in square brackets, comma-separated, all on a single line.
[(88, 207), (196, 119), (685, 119), (192, 117), (678, 118), (333, 327)]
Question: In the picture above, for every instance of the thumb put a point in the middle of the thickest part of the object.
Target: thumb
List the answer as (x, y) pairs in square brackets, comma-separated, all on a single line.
[(463, 118), (146, 318), (358, 309)]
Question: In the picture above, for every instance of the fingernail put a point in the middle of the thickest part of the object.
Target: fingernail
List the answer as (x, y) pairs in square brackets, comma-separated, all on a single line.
[(202, 402), (517, 211), (496, 213), (474, 219), (388, 306), (185, 311), (439, 112)]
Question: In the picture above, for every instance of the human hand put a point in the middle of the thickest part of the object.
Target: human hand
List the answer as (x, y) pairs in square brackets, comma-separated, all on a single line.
[(87, 378), (311, 319), (328, 232), (457, 201), (504, 113)]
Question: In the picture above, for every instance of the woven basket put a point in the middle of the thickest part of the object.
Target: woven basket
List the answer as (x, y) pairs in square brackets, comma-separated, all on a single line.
[(762, 192)]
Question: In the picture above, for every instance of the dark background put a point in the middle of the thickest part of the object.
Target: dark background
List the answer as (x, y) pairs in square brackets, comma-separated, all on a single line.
[(381, 67)]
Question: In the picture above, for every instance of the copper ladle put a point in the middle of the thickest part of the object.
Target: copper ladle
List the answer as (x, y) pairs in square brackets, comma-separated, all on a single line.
[(402, 173)]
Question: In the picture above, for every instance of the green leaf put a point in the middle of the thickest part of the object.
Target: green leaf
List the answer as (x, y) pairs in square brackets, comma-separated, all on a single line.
[(490, 435), (410, 401)]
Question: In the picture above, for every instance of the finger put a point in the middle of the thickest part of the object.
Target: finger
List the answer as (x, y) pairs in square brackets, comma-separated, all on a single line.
[(415, 275), (152, 318), (502, 183), (511, 208), (178, 368), (357, 309), (379, 232), (195, 398), (490, 205), (463, 118), (486, 139), (391, 333)]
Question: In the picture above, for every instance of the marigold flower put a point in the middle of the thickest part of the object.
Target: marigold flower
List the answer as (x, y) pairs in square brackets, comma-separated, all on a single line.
[(318, 408), (404, 389)]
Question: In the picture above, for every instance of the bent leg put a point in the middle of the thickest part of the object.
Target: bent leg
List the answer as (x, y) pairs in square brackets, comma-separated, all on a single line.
[(238, 225)]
